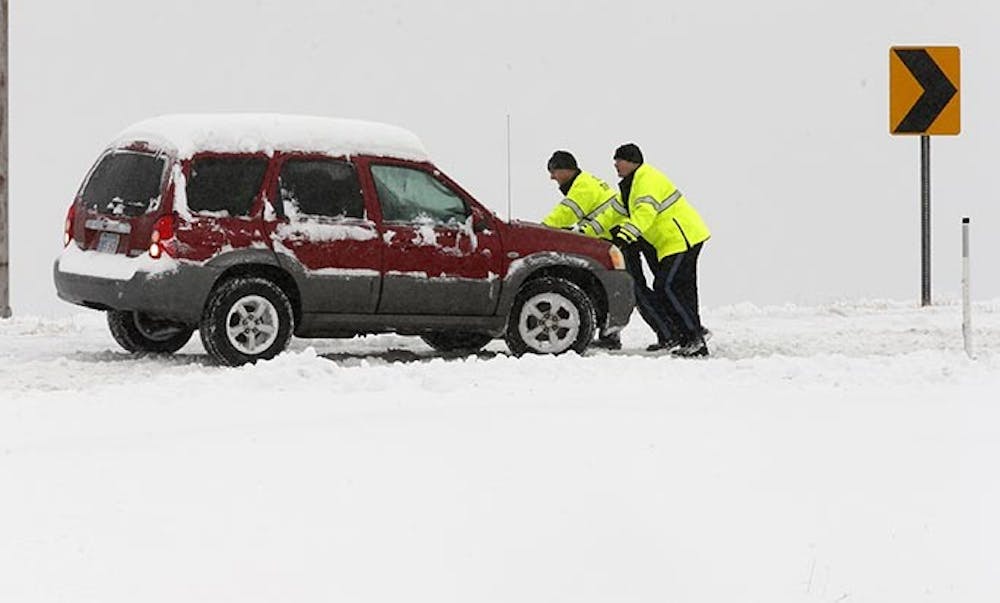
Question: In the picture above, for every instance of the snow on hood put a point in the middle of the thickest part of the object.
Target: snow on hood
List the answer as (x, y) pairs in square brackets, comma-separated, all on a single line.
[(186, 135)]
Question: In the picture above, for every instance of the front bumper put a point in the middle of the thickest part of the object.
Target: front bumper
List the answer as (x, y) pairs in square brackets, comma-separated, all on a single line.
[(621, 298)]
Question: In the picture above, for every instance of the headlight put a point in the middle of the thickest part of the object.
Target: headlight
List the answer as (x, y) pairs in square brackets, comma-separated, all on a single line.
[(617, 259)]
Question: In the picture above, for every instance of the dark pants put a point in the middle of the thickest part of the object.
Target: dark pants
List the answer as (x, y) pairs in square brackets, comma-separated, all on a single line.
[(646, 301), (676, 285), (670, 306)]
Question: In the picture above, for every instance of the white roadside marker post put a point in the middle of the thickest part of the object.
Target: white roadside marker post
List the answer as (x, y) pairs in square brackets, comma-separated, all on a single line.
[(966, 304), (4, 172)]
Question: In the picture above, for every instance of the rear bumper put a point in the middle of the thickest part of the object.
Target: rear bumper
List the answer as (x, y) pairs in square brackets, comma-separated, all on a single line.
[(621, 298), (178, 293)]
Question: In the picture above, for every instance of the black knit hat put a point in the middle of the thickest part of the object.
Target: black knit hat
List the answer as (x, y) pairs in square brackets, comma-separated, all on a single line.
[(629, 152), (562, 160)]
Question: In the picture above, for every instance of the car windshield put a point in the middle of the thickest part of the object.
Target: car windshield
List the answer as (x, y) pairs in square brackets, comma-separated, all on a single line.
[(125, 183)]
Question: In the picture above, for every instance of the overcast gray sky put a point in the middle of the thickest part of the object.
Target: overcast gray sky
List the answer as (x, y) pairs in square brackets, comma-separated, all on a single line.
[(771, 115)]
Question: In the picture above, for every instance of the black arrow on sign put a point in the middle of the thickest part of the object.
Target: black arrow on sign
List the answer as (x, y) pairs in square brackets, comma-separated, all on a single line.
[(938, 91)]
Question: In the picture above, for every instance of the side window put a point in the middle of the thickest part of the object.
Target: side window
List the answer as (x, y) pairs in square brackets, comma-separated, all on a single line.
[(409, 195), (227, 184), (320, 187)]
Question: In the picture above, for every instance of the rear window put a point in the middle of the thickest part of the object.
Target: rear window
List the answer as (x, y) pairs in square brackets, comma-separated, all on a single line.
[(125, 183), (225, 184)]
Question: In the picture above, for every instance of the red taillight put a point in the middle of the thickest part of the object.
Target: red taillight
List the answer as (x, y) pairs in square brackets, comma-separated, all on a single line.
[(68, 227), (163, 232)]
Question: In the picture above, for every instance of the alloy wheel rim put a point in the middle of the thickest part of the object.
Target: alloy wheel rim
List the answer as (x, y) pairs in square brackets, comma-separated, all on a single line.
[(549, 323), (252, 325)]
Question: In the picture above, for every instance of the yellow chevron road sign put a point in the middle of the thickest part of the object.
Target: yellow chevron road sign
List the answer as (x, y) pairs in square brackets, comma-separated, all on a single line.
[(924, 93)]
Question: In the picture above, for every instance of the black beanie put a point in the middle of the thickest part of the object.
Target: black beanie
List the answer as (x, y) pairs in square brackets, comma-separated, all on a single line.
[(562, 160), (629, 152)]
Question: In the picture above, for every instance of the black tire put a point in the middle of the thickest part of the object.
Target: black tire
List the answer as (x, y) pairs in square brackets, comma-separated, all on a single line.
[(550, 315), (246, 319), (141, 333), (450, 342)]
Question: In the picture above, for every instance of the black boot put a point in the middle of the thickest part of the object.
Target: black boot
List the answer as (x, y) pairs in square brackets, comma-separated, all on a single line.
[(663, 345), (608, 342), (694, 349)]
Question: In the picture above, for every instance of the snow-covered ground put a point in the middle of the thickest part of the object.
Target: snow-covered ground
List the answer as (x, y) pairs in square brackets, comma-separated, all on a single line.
[(839, 453)]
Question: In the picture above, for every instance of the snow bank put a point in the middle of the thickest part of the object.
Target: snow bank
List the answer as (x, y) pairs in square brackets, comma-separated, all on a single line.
[(267, 133), (817, 456)]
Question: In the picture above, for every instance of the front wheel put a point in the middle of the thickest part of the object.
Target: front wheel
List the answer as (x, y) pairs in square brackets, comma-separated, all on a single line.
[(456, 343), (138, 332), (246, 319), (550, 316)]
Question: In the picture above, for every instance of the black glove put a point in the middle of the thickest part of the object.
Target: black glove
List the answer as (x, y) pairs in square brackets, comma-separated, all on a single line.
[(618, 239)]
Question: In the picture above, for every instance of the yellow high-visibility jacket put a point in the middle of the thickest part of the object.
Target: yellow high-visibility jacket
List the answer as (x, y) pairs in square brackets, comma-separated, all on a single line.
[(591, 207), (659, 213)]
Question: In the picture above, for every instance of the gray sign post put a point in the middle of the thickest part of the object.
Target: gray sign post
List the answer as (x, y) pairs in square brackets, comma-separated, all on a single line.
[(925, 220), (936, 111)]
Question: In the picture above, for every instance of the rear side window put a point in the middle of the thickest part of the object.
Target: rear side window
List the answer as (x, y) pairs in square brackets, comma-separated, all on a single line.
[(125, 183), (409, 195), (320, 187), (225, 184)]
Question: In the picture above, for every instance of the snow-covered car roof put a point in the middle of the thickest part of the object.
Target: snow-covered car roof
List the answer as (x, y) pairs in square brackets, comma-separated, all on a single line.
[(187, 134)]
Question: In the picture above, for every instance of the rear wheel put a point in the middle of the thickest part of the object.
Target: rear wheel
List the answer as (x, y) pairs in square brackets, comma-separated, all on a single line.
[(457, 343), (138, 332), (550, 316), (246, 319)]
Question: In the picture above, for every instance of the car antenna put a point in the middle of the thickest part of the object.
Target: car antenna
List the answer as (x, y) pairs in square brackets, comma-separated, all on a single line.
[(509, 215)]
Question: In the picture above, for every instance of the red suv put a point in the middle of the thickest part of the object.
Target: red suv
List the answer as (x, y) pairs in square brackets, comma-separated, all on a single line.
[(252, 228)]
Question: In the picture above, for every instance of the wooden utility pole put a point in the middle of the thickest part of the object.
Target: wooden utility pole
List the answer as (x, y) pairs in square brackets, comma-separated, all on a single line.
[(4, 172)]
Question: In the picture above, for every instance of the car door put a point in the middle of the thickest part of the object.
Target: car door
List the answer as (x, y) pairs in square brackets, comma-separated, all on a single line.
[(321, 233), (436, 259), (220, 204)]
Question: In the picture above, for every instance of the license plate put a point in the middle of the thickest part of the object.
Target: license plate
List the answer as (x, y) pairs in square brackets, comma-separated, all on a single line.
[(108, 243)]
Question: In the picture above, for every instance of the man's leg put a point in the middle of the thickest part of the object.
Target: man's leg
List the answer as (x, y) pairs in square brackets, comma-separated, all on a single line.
[(679, 288), (688, 292), (645, 299), (695, 304)]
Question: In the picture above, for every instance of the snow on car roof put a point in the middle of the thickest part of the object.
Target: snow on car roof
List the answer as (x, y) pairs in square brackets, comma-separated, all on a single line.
[(187, 134)]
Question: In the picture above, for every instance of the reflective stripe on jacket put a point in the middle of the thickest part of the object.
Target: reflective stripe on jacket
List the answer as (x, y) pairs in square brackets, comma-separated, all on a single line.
[(590, 206), (659, 213)]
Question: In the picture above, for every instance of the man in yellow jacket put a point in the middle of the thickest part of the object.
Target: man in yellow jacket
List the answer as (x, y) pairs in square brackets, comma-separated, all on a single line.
[(661, 218), (589, 206)]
